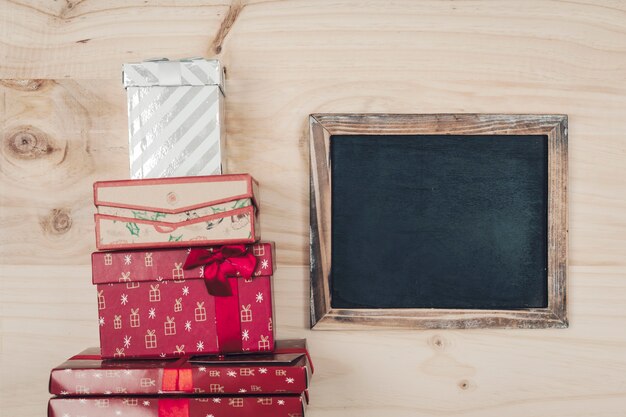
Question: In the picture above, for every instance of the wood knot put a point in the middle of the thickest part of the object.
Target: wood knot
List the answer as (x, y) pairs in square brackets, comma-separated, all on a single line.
[(465, 385), (27, 142), (24, 85), (437, 342), (57, 222), (227, 24)]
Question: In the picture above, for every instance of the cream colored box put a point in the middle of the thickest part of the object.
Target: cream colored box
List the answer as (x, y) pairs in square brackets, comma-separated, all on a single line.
[(175, 212)]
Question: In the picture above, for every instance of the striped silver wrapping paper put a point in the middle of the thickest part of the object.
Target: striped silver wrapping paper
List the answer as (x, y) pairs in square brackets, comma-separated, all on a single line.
[(175, 117)]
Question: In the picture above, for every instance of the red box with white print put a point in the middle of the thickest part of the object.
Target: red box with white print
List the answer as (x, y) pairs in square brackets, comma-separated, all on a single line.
[(150, 307), (180, 406), (286, 371)]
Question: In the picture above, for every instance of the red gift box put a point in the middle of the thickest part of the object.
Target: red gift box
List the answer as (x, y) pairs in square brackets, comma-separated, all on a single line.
[(175, 302), (286, 371), (180, 406)]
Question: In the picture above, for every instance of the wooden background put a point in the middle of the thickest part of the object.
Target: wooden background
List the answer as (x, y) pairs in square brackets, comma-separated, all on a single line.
[(63, 126)]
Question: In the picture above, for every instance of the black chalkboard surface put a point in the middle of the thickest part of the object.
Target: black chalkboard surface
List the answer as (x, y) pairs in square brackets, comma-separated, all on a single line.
[(439, 221)]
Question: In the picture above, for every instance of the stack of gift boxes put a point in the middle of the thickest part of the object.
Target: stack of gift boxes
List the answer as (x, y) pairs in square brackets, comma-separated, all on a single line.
[(184, 289)]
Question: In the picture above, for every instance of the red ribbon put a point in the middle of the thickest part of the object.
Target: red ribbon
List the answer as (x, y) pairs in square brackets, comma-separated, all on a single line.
[(227, 321), (173, 407), (221, 263), (177, 380)]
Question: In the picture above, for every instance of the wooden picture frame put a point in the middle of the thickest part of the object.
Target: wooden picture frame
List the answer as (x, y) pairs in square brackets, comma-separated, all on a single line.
[(324, 126)]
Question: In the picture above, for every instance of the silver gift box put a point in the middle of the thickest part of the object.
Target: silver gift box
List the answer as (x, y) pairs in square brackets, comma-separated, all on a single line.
[(175, 117)]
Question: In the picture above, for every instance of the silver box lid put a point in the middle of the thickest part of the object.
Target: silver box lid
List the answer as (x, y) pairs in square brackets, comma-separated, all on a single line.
[(163, 72)]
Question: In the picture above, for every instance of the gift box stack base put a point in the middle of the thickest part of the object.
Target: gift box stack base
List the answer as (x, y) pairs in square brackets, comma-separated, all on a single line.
[(185, 312), (271, 384)]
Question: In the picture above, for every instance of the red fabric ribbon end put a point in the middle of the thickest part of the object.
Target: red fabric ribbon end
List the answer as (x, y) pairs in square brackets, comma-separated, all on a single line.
[(174, 407), (185, 380), (177, 380)]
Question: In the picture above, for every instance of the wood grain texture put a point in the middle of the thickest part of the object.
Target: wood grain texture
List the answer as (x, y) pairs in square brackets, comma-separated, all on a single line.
[(91, 39), (324, 126), (286, 60)]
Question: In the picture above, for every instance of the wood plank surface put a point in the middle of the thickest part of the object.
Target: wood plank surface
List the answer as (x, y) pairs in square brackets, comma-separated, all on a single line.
[(62, 126)]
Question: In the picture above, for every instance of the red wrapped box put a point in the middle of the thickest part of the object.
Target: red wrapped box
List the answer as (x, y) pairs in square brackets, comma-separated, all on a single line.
[(286, 371), (174, 302), (176, 212), (165, 406)]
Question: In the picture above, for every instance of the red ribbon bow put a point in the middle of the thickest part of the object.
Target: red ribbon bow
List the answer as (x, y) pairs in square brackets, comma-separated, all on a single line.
[(221, 263)]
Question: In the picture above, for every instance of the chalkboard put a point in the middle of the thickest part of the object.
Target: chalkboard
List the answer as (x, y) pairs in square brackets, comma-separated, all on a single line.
[(438, 221)]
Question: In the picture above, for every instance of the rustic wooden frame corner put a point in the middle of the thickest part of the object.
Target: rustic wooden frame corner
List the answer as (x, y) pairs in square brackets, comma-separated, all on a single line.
[(323, 126)]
